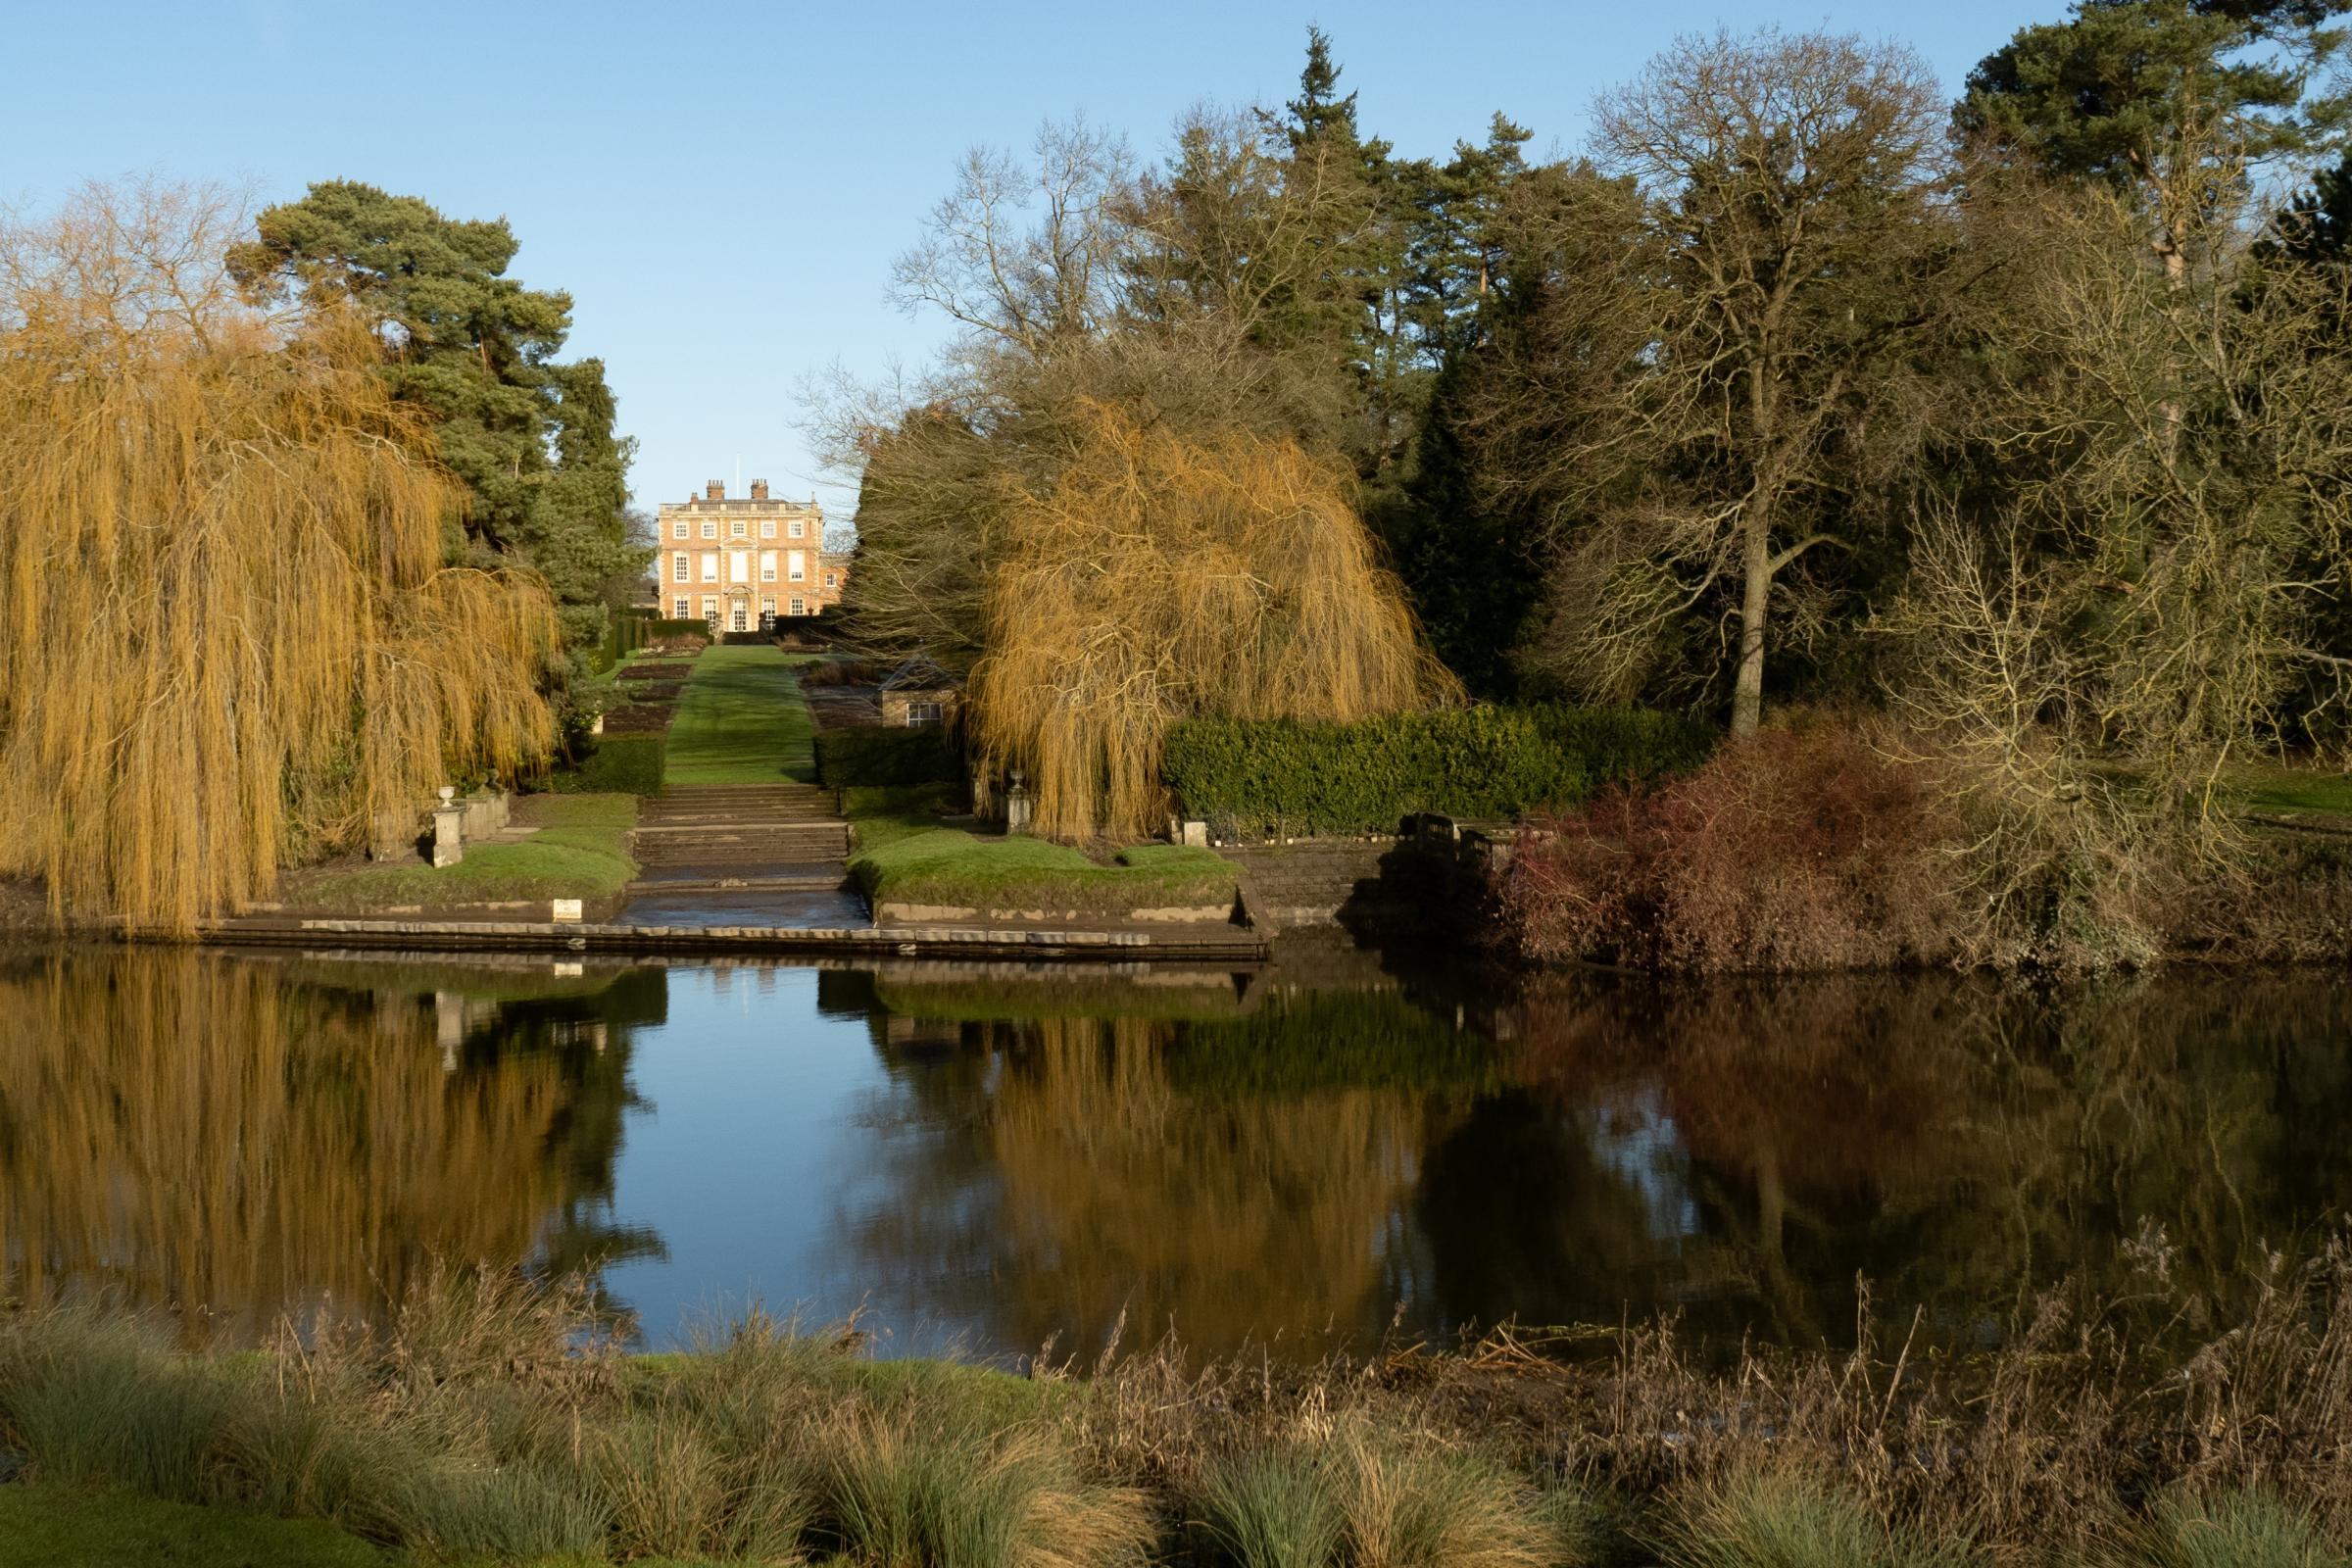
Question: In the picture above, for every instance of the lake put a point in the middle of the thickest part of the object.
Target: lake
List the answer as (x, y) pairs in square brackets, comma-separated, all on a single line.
[(1312, 1153)]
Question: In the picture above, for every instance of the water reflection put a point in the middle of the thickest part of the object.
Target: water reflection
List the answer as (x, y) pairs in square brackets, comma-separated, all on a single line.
[(252, 1136), (1272, 1158)]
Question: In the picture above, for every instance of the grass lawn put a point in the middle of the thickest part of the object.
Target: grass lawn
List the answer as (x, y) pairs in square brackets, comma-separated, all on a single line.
[(740, 721), (581, 851), (2275, 788), (905, 857), (59, 1527)]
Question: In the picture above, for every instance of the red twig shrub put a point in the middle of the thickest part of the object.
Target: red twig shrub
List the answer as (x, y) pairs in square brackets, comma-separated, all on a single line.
[(1803, 848)]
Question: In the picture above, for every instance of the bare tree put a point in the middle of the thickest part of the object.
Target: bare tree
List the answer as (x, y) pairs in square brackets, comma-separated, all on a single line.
[(1021, 255), (1729, 369)]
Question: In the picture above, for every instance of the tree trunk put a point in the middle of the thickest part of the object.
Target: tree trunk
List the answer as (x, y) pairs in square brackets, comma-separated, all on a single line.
[(1747, 691)]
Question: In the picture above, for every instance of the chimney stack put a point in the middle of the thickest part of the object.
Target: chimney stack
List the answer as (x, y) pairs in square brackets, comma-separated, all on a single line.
[(714, 491), (759, 489)]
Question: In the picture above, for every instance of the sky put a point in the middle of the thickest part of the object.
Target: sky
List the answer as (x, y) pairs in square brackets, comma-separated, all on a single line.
[(721, 187)]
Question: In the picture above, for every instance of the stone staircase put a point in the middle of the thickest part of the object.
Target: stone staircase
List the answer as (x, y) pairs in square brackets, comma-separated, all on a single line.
[(740, 831)]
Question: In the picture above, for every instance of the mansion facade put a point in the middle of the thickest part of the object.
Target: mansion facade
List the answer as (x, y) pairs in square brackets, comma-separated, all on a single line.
[(743, 563)]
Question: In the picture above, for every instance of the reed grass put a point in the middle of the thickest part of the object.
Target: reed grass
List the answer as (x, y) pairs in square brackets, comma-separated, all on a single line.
[(500, 1421)]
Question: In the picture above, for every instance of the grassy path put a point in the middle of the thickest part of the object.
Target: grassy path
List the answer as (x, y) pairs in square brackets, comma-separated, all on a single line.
[(740, 721)]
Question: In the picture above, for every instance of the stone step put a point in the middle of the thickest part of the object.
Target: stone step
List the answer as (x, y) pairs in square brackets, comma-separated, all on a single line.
[(744, 846), (735, 818)]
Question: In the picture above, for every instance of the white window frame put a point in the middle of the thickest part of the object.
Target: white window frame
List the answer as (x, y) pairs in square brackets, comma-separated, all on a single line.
[(767, 565), (767, 604), (738, 529), (796, 565), (767, 527), (677, 530), (924, 715), (710, 565), (709, 527), (799, 607), (709, 606), (796, 528), (678, 569), (680, 608)]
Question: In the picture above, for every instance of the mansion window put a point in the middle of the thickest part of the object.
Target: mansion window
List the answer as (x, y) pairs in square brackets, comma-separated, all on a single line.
[(736, 623), (680, 608), (832, 579), (710, 567), (710, 608), (799, 608), (796, 528), (677, 530), (796, 568), (677, 564), (737, 530), (768, 607), (767, 527), (767, 565), (709, 529)]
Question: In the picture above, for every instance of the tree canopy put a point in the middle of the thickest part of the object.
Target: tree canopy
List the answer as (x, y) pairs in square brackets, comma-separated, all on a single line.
[(531, 436)]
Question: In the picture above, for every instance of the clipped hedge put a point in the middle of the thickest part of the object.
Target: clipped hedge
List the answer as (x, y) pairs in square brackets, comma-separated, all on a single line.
[(869, 755), (666, 626), (1255, 778), (620, 765)]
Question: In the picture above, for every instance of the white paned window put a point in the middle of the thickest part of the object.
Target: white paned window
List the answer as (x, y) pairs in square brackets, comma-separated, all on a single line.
[(799, 609), (710, 565), (710, 608), (832, 579), (677, 566), (738, 528), (677, 530), (768, 607), (709, 529), (680, 608), (767, 527), (739, 565), (796, 565), (767, 565), (797, 527)]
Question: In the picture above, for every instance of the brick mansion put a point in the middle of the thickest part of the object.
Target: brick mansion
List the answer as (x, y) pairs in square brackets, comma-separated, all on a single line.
[(741, 563)]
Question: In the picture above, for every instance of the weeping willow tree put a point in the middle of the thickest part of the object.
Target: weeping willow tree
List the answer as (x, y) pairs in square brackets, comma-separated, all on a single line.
[(226, 630), (1160, 577)]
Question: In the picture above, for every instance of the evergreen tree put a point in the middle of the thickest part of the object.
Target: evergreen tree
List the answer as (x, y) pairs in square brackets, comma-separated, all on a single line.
[(2173, 102), (531, 437)]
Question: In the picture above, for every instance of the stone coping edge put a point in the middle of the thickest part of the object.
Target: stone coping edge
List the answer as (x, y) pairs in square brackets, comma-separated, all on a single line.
[(893, 941)]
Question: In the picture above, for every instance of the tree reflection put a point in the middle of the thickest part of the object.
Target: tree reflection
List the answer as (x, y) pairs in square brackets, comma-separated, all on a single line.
[(1228, 1182), (1962, 1144), (226, 1136), (1738, 1153)]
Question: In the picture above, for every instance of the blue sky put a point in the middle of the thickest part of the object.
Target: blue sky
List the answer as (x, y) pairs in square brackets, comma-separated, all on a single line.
[(722, 186)]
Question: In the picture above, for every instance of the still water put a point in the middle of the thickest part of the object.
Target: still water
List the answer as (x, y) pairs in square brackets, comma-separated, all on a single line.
[(1311, 1152)]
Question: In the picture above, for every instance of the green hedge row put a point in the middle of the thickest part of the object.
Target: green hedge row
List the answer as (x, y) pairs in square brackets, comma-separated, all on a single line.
[(620, 765), (667, 627), (625, 631), (1254, 778), (868, 755)]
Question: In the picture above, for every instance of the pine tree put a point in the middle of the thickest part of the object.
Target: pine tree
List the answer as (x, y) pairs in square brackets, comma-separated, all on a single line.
[(531, 437)]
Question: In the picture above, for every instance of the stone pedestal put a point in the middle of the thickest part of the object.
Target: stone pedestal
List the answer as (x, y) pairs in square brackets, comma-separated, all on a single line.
[(1016, 806), (448, 834)]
